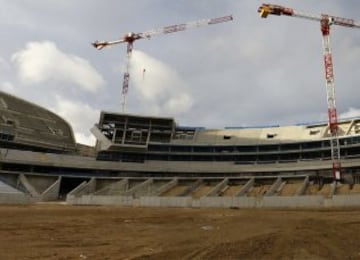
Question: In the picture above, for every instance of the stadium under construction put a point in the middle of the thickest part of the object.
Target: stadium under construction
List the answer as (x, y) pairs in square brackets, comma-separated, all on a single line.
[(153, 161)]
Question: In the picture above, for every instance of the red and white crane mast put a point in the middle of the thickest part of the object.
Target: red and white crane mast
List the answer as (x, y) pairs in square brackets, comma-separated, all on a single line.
[(129, 38), (325, 22)]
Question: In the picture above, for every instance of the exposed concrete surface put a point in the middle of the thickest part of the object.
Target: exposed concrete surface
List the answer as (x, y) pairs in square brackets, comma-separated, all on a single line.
[(10, 195), (308, 201), (52, 193), (15, 198), (31, 189)]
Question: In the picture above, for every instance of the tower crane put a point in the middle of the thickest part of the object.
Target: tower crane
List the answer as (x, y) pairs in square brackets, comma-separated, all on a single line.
[(325, 22), (129, 38)]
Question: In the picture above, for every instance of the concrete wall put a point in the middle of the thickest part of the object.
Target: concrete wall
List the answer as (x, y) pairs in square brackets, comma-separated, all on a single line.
[(343, 201), (15, 198), (166, 202), (262, 202), (10, 195), (311, 201), (100, 200)]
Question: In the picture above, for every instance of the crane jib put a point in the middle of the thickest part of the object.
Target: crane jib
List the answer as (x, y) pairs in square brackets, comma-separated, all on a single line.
[(343, 21), (131, 37), (174, 28), (221, 19)]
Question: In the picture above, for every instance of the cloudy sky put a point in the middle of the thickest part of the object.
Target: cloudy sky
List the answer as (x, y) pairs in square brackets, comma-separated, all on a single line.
[(247, 72)]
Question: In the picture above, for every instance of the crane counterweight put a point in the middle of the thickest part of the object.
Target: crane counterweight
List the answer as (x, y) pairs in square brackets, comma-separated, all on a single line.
[(266, 9)]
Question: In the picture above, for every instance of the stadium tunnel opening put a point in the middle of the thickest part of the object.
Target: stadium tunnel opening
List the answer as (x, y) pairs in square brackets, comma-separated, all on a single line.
[(67, 184)]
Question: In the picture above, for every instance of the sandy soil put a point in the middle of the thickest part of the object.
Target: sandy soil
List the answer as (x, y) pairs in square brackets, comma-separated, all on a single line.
[(48, 231)]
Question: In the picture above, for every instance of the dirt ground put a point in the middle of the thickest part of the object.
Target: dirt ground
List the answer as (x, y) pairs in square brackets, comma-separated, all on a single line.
[(48, 231)]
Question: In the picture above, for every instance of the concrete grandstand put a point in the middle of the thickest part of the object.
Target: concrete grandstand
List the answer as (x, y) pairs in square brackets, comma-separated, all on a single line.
[(151, 161)]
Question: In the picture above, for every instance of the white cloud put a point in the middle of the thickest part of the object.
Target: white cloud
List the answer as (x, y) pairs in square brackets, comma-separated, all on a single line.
[(3, 64), (352, 112), (5, 75), (7, 87), (43, 61), (158, 86), (85, 138), (179, 103), (249, 71), (79, 115)]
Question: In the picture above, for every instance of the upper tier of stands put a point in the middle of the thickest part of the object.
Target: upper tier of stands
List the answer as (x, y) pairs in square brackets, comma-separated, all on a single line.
[(28, 125)]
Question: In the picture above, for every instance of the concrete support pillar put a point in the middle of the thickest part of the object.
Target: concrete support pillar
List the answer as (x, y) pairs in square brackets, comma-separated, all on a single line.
[(218, 188), (168, 186), (246, 187), (138, 187), (84, 188), (273, 189), (303, 187), (52, 192), (192, 188), (31, 189), (116, 188)]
